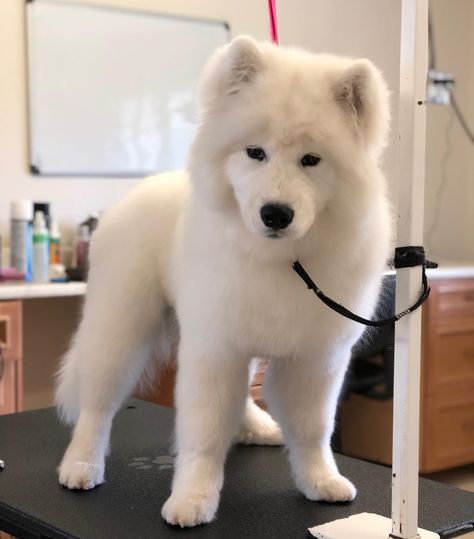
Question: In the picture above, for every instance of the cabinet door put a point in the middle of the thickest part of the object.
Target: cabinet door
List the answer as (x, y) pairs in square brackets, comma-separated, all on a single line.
[(7, 386), (451, 297), (449, 430), (11, 383), (449, 354)]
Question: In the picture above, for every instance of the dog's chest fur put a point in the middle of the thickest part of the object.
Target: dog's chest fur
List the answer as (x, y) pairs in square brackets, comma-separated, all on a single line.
[(264, 310)]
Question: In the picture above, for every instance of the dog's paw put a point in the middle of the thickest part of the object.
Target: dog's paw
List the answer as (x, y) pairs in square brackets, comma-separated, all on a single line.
[(187, 510), (333, 488), (77, 474), (259, 428), (270, 435)]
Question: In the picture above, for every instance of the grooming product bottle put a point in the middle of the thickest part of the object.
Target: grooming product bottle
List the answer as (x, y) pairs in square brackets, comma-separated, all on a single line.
[(82, 247), (54, 243), (40, 249), (21, 215), (43, 207)]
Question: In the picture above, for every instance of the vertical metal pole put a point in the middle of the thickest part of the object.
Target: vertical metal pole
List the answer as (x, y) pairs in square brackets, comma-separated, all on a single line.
[(412, 114)]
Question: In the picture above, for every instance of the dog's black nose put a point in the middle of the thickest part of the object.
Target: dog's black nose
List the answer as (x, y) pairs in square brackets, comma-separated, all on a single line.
[(276, 216)]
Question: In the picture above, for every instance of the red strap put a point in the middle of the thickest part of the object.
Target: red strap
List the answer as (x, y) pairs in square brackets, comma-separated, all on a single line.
[(273, 21)]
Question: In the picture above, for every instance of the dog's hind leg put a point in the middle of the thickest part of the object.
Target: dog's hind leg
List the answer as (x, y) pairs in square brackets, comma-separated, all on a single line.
[(117, 369), (258, 427), (108, 356)]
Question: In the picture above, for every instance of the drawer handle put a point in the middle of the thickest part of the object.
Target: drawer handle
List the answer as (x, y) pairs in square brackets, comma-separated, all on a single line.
[(2, 363)]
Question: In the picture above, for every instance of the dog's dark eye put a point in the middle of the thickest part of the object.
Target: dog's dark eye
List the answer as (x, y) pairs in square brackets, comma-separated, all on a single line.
[(255, 152), (310, 160)]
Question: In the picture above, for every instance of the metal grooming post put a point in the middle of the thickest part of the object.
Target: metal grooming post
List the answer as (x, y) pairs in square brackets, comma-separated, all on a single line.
[(411, 175)]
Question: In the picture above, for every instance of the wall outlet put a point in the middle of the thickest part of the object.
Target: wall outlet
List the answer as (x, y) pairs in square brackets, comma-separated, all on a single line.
[(438, 91)]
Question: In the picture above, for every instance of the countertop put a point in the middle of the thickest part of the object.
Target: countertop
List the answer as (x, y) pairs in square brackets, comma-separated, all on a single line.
[(451, 271), (21, 290)]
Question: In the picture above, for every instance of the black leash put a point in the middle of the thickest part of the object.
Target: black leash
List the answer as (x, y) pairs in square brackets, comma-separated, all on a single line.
[(405, 257)]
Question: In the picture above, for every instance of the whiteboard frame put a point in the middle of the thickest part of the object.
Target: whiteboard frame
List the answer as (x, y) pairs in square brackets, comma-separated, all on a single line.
[(31, 123)]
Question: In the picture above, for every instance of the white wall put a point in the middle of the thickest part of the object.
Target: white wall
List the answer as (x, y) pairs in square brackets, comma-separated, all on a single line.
[(367, 28), (452, 237)]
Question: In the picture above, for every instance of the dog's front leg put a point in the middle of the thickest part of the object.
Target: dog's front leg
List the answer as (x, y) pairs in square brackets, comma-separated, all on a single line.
[(210, 397), (303, 394)]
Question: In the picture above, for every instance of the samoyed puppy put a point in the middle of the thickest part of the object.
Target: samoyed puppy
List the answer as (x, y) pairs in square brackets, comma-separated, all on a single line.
[(285, 166)]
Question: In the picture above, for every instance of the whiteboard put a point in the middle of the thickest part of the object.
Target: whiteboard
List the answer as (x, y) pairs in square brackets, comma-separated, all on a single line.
[(112, 91)]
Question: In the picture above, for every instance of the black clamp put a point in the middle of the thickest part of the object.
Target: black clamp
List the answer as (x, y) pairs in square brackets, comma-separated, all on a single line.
[(409, 257)]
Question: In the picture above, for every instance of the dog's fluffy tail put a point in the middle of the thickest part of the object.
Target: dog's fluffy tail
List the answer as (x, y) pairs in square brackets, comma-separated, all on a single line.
[(67, 387)]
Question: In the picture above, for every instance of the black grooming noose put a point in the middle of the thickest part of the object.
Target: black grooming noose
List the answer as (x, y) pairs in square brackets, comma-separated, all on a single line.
[(405, 257)]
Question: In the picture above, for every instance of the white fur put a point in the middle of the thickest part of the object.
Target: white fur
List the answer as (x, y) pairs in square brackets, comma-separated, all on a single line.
[(188, 250)]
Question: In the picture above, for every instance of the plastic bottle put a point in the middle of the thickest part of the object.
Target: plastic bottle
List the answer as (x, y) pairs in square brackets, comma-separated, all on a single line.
[(40, 249), (82, 247), (54, 243), (21, 215)]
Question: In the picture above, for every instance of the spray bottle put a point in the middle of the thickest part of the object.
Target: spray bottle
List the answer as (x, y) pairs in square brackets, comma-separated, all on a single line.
[(21, 212), (40, 249)]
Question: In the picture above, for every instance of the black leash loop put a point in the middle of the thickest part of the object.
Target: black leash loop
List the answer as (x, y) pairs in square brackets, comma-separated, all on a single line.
[(405, 257)]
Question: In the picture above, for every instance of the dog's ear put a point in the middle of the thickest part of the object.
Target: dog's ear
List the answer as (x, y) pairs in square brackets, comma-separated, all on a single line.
[(228, 72), (231, 68), (242, 62), (362, 93)]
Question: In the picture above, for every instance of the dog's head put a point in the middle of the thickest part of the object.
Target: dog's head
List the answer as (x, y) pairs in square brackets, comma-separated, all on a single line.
[(283, 132)]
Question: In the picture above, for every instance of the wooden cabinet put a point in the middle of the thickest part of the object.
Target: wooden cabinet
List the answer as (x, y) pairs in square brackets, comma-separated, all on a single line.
[(447, 405), (11, 357), (160, 390), (449, 431), (256, 385)]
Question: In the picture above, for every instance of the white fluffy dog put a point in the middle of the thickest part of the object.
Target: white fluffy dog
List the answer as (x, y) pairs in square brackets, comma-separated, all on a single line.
[(284, 167)]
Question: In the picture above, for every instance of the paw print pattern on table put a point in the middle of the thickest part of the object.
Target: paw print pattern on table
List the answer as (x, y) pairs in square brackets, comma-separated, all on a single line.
[(164, 462)]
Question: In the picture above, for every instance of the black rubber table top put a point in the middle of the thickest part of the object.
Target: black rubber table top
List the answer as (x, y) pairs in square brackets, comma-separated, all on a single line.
[(259, 498)]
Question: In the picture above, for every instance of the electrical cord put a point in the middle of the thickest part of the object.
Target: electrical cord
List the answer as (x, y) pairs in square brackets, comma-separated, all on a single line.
[(431, 48), (443, 183), (462, 120), (455, 111), (453, 102)]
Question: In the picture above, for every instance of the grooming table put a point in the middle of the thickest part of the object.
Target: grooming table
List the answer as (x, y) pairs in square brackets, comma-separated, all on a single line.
[(259, 499)]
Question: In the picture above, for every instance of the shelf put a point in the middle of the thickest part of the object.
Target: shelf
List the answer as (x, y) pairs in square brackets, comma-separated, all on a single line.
[(21, 290)]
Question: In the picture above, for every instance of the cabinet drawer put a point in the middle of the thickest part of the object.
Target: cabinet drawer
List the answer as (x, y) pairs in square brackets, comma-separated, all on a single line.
[(451, 297), (449, 356), (450, 430), (11, 365), (11, 329)]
